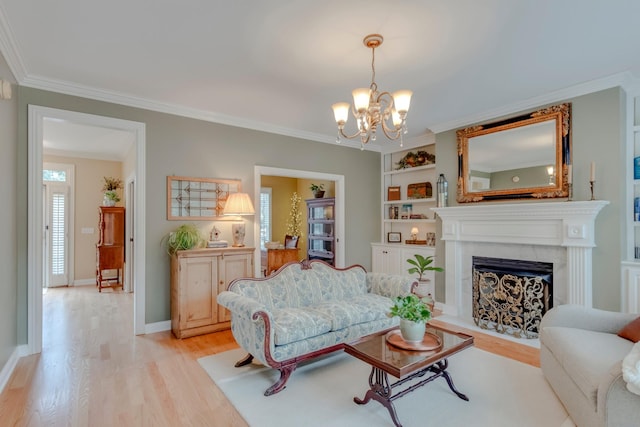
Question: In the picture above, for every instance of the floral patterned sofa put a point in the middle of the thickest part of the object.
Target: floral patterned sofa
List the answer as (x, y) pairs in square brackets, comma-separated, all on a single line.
[(307, 309)]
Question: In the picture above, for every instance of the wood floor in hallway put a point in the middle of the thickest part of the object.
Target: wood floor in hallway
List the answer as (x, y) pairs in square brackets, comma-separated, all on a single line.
[(93, 371)]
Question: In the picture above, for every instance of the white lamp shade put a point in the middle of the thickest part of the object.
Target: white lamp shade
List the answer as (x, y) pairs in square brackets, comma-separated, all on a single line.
[(414, 230), (361, 99), (238, 204), (341, 112), (402, 100), (550, 170), (397, 120)]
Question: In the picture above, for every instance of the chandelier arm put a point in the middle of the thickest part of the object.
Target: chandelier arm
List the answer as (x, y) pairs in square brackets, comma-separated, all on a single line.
[(344, 135)]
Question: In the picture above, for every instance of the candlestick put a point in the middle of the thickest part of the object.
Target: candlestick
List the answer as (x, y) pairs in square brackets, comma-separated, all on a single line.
[(592, 176), (569, 174), (570, 197), (591, 183)]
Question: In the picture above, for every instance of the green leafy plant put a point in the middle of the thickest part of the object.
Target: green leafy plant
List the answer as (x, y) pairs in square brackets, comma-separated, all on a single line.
[(187, 236), (421, 264), (410, 307), (112, 195), (316, 187)]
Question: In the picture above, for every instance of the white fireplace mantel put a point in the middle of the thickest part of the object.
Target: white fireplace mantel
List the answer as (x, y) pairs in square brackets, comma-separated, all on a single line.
[(566, 225)]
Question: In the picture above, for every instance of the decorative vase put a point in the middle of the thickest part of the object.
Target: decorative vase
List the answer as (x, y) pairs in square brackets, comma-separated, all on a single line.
[(412, 332), (106, 201), (319, 194)]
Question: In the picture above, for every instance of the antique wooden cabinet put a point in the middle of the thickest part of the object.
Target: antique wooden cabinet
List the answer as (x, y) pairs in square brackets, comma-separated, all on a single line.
[(321, 241), (197, 277), (110, 247)]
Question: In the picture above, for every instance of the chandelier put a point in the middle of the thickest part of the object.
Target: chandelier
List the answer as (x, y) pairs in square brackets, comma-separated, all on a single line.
[(373, 109)]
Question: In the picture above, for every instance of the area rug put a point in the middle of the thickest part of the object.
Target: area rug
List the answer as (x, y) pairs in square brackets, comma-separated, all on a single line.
[(502, 392)]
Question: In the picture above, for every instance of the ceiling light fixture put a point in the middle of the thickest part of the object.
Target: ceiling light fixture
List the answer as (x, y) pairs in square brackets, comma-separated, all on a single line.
[(372, 108)]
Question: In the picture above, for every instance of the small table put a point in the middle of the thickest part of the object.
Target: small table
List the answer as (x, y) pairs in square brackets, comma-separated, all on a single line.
[(405, 365)]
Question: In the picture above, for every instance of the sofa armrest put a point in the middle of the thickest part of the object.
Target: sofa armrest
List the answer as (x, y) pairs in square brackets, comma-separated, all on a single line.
[(390, 285), (250, 321), (617, 404), (580, 317)]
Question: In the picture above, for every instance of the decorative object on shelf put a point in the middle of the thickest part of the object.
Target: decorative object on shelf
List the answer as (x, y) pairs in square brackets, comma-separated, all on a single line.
[(294, 223), (431, 238), (419, 190), (372, 108), (238, 204), (393, 193), (187, 236), (406, 211), (443, 191), (413, 314), (110, 187), (393, 212), (214, 239), (592, 178), (394, 237), (198, 199), (318, 190), (414, 238), (414, 233), (412, 160)]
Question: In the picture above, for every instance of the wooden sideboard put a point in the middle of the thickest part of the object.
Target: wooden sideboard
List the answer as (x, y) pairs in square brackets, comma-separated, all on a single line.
[(110, 247), (197, 277), (276, 258)]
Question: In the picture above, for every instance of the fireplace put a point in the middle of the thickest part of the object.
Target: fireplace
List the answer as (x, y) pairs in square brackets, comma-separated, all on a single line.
[(560, 233), (511, 296)]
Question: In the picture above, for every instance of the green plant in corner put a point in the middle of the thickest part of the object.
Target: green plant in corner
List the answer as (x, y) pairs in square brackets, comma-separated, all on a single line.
[(187, 236), (294, 224), (421, 264), (316, 187), (410, 307)]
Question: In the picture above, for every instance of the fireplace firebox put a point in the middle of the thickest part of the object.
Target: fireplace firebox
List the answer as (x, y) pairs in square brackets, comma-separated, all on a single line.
[(511, 296)]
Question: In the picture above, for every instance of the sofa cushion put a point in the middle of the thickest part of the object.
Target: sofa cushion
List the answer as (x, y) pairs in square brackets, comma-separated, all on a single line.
[(295, 324), (586, 356), (353, 311), (631, 331)]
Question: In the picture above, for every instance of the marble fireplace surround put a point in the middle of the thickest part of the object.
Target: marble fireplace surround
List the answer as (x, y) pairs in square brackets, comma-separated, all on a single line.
[(561, 233)]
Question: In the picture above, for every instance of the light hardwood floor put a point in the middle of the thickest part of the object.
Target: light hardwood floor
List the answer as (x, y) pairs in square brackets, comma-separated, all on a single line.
[(94, 372)]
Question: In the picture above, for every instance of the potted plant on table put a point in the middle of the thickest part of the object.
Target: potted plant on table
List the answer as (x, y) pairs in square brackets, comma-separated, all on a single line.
[(110, 187), (422, 264), (187, 236), (318, 190), (414, 313)]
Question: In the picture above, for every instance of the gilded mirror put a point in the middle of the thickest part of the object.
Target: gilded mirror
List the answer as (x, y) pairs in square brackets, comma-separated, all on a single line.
[(521, 157)]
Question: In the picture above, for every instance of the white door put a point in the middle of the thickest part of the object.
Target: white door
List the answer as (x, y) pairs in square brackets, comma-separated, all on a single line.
[(56, 231), (129, 238)]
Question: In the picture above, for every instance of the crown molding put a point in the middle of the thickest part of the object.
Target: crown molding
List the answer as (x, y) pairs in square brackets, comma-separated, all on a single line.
[(9, 49), (624, 80)]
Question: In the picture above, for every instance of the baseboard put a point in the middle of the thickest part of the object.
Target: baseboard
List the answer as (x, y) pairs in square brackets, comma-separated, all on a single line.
[(10, 366), (152, 328)]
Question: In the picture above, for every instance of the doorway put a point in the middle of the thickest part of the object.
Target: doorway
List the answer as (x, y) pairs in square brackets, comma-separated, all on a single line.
[(36, 118), (339, 210)]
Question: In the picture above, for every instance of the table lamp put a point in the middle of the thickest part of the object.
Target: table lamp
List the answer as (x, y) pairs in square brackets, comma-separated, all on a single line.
[(414, 233), (238, 204)]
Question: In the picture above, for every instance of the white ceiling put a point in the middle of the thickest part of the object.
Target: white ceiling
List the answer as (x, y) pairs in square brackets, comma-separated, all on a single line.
[(278, 65)]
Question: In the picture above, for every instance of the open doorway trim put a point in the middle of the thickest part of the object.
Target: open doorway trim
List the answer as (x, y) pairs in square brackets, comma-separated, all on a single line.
[(259, 171), (37, 114)]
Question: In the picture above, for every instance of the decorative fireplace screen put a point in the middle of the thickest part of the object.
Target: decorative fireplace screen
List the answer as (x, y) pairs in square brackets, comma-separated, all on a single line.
[(511, 296)]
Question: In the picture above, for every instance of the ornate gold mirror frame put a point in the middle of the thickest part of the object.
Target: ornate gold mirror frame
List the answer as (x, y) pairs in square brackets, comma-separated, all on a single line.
[(518, 158)]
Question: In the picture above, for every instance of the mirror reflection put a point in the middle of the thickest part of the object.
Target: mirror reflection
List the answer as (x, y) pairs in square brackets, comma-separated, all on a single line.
[(523, 157)]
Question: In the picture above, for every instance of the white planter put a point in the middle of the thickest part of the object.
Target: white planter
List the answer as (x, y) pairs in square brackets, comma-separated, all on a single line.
[(412, 332), (108, 202)]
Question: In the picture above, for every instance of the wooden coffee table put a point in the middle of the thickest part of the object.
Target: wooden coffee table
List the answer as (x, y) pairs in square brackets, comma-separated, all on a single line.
[(406, 365)]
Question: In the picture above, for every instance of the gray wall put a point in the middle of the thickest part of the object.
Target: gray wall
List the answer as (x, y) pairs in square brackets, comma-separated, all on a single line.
[(597, 135), (181, 146), (8, 218)]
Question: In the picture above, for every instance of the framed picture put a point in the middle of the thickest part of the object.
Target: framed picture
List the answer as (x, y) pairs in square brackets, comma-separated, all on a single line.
[(394, 237), (198, 199)]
